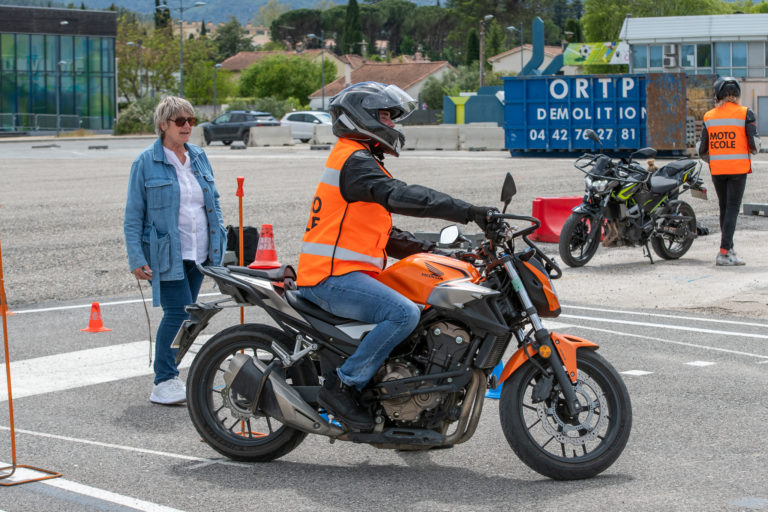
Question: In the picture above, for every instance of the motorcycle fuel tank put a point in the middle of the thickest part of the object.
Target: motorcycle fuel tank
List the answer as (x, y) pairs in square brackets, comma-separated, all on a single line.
[(416, 276)]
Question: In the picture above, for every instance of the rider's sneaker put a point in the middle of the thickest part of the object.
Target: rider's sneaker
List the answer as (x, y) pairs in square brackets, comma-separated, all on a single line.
[(337, 398), (169, 392), (729, 260)]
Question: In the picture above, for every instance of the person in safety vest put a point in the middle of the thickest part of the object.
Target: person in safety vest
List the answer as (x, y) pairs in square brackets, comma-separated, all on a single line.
[(350, 235), (727, 139)]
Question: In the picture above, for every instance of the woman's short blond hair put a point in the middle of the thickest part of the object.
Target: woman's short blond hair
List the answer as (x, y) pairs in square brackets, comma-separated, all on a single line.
[(168, 108)]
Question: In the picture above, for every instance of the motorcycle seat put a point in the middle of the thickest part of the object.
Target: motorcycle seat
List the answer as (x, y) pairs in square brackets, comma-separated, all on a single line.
[(273, 274), (302, 305), (663, 184), (672, 169)]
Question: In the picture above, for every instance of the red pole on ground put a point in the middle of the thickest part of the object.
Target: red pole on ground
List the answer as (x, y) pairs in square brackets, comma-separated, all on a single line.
[(240, 194)]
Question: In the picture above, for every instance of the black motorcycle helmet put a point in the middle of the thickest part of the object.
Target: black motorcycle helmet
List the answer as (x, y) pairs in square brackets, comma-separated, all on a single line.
[(355, 115), (727, 86)]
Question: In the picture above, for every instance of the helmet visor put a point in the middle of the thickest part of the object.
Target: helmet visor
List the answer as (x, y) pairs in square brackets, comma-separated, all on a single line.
[(392, 98)]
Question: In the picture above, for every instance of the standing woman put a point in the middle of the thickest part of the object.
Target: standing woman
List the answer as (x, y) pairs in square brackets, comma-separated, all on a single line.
[(172, 222), (728, 138)]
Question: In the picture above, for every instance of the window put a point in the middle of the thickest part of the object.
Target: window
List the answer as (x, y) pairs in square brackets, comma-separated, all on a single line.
[(688, 56), (739, 52), (656, 57), (7, 52), (723, 55), (704, 57), (639, 57), (22, 52)]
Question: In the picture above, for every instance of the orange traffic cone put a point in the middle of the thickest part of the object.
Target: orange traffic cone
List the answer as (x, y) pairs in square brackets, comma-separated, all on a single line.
[(266, 255), (95, 324)]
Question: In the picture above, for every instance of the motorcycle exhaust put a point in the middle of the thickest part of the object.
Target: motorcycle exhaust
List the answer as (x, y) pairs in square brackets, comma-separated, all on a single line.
[(276, 398)]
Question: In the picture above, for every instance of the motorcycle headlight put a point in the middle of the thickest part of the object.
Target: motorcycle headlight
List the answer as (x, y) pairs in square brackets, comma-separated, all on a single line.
[(597, 185)]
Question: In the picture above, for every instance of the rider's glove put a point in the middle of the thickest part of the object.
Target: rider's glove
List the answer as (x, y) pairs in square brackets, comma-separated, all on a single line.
[(479, 214)]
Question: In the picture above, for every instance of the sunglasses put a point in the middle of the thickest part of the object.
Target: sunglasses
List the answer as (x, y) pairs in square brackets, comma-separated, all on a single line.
[(181, 121)]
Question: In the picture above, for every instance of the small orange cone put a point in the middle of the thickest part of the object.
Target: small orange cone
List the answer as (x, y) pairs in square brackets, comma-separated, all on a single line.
[(95, 324), (266, 255)]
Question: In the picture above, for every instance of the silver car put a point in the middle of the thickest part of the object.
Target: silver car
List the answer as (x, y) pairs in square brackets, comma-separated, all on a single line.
[(303, 123)]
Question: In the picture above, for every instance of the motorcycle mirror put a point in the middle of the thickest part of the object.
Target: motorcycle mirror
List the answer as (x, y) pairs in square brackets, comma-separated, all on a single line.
[(508, 190), (644, 153), (449, 234), (590, 134)]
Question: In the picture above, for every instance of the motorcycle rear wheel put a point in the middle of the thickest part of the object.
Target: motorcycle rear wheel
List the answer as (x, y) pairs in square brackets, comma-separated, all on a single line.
[(575, 246), (226, 424), (672, 247), (550, 442)]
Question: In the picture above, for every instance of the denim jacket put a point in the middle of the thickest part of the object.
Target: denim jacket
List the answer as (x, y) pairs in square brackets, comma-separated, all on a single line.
[(151, 223)]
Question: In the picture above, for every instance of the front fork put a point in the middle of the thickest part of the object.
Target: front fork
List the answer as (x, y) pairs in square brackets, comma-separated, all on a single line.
[(559, 350)]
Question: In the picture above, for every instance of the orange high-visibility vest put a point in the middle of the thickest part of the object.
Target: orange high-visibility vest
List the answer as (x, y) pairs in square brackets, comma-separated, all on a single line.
[(728, 144), (342, 237)]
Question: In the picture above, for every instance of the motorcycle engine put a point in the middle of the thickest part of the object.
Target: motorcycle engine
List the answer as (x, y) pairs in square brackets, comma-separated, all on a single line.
[(442, 347)]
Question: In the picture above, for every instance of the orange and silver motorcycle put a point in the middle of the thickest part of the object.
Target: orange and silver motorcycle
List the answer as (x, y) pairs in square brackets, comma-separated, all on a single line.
[(252, 388)]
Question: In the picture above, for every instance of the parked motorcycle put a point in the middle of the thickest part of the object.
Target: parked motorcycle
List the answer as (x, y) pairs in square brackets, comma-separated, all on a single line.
[(627, 204), (565, 411)]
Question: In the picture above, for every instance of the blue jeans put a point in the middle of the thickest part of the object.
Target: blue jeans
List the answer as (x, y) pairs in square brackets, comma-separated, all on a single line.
[(174, 295), (361, 297)]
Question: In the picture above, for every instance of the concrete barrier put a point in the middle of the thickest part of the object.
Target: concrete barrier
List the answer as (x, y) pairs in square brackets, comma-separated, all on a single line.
[(196, 137), (323, 134), (445, 137), (481, 137), (270, 136)]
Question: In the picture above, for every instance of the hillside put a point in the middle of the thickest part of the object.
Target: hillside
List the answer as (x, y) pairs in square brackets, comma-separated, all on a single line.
[(215, 10)]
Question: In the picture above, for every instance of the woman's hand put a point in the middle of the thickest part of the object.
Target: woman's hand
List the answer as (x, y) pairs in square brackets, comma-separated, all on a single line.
[(143, 272)]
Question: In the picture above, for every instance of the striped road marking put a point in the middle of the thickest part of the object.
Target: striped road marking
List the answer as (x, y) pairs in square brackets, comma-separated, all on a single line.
[(86, 490), (67, 371)]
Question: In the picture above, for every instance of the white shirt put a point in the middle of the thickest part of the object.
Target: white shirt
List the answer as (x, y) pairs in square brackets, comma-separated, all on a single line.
[(193, 222)]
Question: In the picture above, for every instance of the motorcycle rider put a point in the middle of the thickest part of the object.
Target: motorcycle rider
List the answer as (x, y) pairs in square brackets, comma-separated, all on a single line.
[(350, 234), (728, 137)]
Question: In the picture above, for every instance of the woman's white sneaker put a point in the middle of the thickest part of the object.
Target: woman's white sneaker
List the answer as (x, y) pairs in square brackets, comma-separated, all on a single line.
[(169, 392)]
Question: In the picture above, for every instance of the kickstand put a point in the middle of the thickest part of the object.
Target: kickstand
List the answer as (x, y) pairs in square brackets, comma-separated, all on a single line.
[(647, 252)]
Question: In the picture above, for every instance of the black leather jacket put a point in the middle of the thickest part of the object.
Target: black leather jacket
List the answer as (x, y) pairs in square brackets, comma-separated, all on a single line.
[(361, 179)]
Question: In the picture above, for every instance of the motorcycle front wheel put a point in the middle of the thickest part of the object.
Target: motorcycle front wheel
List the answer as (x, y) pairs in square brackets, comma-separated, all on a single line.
[(220, 416), (675, 232), (576, 247), (551, 442)]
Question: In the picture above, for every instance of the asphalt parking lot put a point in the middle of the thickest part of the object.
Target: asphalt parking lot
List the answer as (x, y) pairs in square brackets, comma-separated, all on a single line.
[(690, 340)]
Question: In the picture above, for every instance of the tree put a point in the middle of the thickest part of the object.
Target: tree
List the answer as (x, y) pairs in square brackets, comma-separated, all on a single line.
[(294, 26), (199, 59), (230, 39), (603, 19), (494, 39), (203, 30), (353, 29), (281, 77), (472, 48), (162, 16), (269, 12)]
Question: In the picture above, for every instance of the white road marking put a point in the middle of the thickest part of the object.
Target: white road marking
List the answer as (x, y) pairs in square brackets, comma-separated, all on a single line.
[(86, 490), (700, 363), (637, 373), (101, 304), (661, 315), (665, 326), (66, 371), (131, 449), (673, 342)]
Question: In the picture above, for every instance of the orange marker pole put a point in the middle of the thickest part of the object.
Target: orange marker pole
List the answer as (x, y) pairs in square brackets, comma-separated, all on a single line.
[(46, 474), (7, 361), (240, 194)]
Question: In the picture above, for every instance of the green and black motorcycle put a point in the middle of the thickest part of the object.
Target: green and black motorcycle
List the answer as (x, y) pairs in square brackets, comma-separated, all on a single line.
[(626, 204)]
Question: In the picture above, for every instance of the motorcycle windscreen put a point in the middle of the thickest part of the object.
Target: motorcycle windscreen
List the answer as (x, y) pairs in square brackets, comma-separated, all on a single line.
[(539, 287), (417, 275)]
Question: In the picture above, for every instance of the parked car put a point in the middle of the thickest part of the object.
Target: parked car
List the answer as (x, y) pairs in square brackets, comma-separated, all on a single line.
[(236, 125), (303, 123)]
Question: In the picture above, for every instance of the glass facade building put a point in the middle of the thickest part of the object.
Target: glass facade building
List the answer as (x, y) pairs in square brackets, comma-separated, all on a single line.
[(57, 69)]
